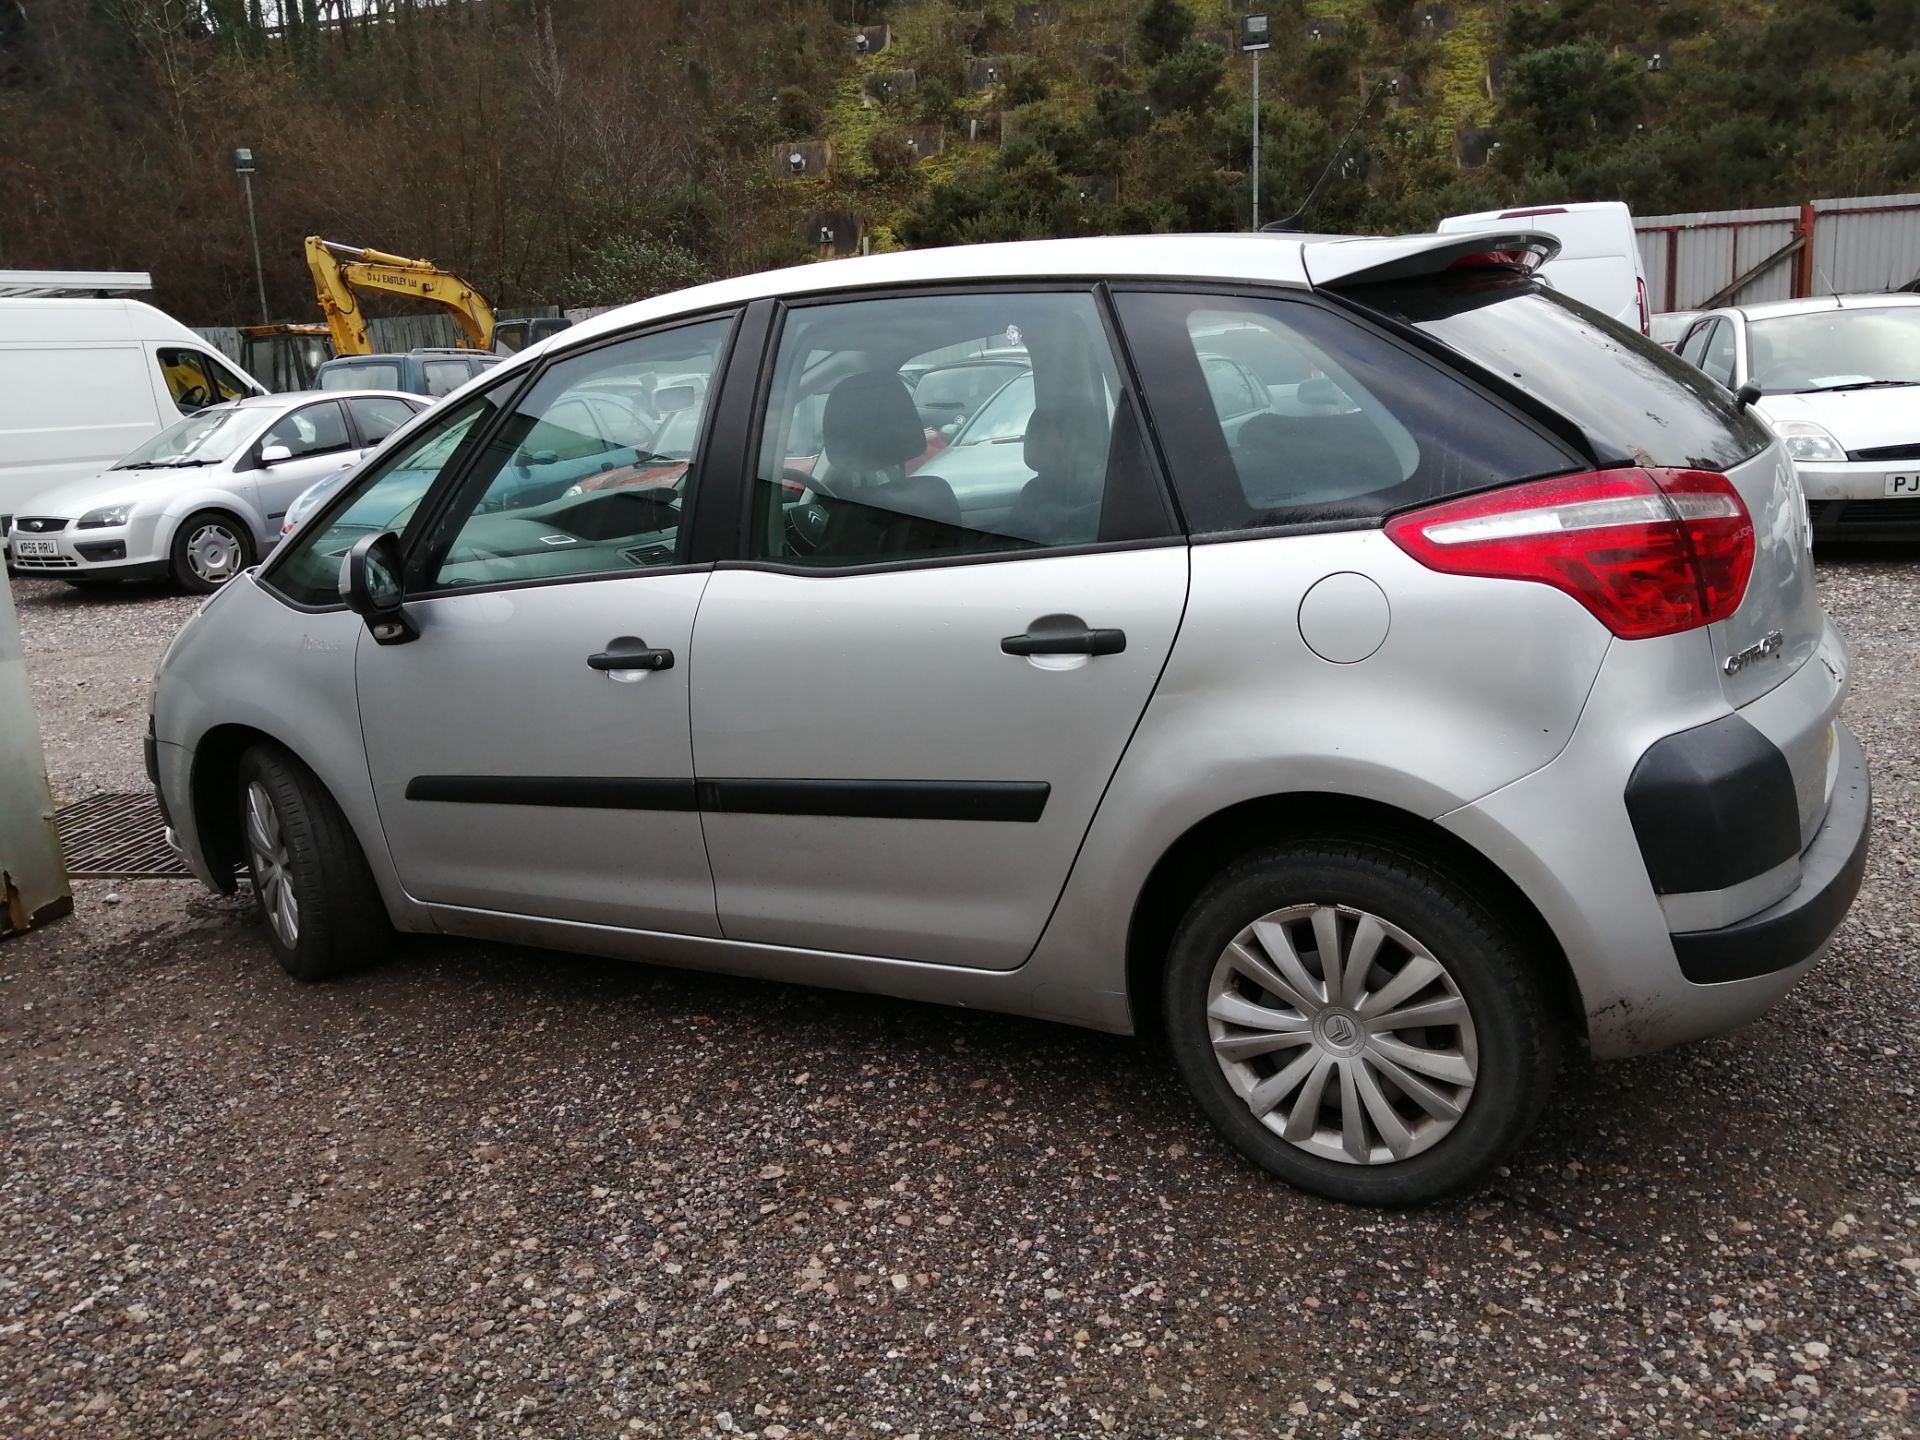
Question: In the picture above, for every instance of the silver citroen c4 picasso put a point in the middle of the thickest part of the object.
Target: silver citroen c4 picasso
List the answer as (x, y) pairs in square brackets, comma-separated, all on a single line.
[(1348, 656)]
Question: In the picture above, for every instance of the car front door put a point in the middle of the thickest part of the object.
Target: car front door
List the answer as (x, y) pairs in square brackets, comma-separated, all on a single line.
[(904, 717), (317, 443), (530, 751)]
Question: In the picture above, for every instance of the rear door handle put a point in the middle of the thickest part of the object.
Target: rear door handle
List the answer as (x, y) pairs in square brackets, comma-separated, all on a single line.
[(630, 652), (1064, 635)]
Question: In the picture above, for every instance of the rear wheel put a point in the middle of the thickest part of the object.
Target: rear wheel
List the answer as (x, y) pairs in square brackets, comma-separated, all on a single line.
[(1358, 1023), (323, 912), (209, 549)]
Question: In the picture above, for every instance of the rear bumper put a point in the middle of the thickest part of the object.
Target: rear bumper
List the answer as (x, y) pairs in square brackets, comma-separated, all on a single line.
[(1798, 927)]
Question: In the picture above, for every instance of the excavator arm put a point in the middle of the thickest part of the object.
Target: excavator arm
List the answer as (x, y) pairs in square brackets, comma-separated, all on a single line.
[(341, 270)]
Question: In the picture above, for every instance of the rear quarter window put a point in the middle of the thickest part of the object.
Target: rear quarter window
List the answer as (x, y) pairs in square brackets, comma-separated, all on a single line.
[(1354, 427), (1636, 402)]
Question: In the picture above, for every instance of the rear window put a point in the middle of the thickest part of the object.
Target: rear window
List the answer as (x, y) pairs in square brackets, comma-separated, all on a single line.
[(381, 376), (1636, 402)]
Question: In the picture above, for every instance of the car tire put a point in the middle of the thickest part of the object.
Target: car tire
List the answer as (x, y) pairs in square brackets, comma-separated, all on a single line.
[(1326, 1073), (209, 548), (323, 912)]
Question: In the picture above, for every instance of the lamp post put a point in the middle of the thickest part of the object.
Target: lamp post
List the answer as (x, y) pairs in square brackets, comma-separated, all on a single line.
[(1255, 37), (244, 166)]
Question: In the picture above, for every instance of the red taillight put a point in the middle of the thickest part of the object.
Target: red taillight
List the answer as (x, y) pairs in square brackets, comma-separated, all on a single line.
[(1646, 315), (1649, 552)]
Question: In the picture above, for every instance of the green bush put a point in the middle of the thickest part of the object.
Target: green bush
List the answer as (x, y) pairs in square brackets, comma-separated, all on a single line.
[(796, 111), (1162, 28), (1188, 79), (891, 154)]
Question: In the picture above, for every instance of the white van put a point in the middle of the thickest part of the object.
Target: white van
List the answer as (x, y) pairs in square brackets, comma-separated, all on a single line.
[(1599, 259), (84, 381)]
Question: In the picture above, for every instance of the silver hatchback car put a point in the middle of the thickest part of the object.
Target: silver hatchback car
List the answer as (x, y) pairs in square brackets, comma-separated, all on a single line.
[(203, 499), (1460, 695)]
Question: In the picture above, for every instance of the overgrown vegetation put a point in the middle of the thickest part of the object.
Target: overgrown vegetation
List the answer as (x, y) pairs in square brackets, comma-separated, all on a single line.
[(594, 150)]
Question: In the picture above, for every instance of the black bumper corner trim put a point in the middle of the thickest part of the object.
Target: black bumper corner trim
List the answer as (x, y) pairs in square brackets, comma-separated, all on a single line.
[(1832, 869)]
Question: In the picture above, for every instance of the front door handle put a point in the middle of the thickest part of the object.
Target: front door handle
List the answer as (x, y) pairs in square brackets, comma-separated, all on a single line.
[(1064, 635), (630, 652)]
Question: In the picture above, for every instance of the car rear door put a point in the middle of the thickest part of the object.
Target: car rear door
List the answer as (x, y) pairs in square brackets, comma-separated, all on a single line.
[(319, 444), (903, 723)]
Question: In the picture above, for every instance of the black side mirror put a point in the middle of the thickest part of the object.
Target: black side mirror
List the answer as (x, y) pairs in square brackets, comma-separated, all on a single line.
[(371, 587), (1747, 394)]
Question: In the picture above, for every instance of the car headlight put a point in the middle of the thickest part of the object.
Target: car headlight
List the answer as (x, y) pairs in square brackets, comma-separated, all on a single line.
[(571, 491), (1807, 441), (104, 516)]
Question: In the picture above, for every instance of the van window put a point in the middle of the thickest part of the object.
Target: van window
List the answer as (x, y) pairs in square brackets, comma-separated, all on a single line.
[(195, 380)]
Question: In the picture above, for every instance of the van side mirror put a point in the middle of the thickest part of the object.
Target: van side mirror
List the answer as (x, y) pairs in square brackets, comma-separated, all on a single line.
[(1747, 394), (370, 585), (274, 454)]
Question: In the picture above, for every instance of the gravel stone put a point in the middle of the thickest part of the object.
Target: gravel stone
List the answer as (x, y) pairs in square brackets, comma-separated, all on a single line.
[(489, 1192)]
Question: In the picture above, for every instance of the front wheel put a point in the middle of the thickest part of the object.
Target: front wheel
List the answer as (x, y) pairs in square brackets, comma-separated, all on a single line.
[(1358, 1023), (208, 550), (323, 911)]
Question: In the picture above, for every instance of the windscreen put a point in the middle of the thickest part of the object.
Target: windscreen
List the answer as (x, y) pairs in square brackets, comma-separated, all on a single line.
[(1636, 402), (205, 438), (1851, 349)]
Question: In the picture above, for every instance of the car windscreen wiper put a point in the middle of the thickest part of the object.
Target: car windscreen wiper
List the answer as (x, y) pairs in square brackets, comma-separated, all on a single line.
[(184, 464), (1856, 385)]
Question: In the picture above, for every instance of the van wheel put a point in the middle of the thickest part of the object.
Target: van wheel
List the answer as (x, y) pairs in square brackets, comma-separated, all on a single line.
[(209, 549), (1358, 1023), (324, 913)]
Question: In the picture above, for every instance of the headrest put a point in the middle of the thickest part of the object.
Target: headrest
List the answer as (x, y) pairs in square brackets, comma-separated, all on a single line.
[(870, 423)]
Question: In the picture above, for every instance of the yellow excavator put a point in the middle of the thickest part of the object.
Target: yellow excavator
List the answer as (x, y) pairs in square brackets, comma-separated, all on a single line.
[(340, 270)]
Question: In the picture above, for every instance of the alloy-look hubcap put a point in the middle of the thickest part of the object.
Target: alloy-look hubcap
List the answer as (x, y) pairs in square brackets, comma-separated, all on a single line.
[(213, 552), (272, 867), (1342, 1033)]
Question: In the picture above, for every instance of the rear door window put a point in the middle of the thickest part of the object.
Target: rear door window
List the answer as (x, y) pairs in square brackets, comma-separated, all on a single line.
[(379, 416), (1356, 428), (1636, 402), (443, 377)]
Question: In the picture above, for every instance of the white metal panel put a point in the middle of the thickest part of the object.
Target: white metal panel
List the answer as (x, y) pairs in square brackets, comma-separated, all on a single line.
[(1866, 243), (1712, 248)]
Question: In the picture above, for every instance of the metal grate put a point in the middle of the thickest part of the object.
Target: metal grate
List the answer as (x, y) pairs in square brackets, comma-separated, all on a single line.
[(117, 836)]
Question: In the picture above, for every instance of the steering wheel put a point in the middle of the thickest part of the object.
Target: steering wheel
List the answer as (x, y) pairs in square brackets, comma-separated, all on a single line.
[(194, 395), (806, 524)]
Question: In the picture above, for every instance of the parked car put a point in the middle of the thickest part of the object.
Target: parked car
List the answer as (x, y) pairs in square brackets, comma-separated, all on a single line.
[(1669, 329), (432, 373), (84, 381), (1599, 261), (203, 499), (1840, 382), (947, 395), (1374, 754)]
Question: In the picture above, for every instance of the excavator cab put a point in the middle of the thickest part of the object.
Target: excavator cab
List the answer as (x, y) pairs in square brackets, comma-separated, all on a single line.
[(284, 357)]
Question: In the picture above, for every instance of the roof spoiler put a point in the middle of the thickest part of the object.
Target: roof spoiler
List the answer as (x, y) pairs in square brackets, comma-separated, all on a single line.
[(1334, 264)]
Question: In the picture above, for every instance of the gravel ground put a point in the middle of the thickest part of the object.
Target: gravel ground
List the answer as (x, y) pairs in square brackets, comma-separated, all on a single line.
[(493, 1192)]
